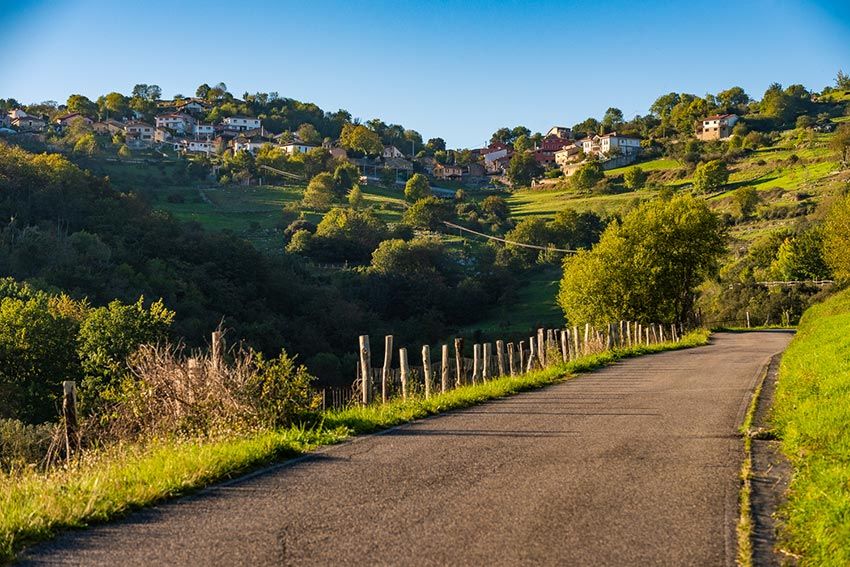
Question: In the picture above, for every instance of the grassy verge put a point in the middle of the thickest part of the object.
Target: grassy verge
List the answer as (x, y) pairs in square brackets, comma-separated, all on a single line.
[(811, 414), (745, 516), (108, 484)]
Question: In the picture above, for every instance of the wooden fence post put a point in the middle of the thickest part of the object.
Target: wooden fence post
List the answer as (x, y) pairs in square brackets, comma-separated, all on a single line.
[(673, 333), (532, 346), (609, 337), (628, 333), (476, 365), (487, 354), (388, 366), (511, 361), (69, 414), (426, 369), (459, 362), (541, 347), (748, 319), (216, 348), (405, 371), (444, 369), (521, 357), (500, 357), (365, 370), (565, 345), (586, 338), (576, 339)]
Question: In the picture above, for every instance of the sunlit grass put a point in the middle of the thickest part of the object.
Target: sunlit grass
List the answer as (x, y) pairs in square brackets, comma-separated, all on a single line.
[(812, 417)]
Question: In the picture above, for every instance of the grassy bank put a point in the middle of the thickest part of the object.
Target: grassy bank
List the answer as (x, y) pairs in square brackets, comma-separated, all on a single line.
[(107, 484), (812, 417)]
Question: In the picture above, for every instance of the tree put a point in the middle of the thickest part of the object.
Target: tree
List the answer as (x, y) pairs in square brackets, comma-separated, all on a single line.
[(124, 151), (523, 144), (587, 176), (82, 105), (635, 178), (308, 134), (842, 80), (836, 239), (428, 213), (710, 176), (346, 177), (496, 207), (776, 104), (436, 145), (612, 120), (320, 192), (113, 105), (361, 139), (417, 187), (86, 144), (355, 198), (147, 92), (646, 268), (732, 99), (523, 168), (841, 143), (745, 200)]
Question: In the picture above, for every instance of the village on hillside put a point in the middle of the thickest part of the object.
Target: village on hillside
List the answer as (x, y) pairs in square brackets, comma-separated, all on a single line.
[(179, 127)]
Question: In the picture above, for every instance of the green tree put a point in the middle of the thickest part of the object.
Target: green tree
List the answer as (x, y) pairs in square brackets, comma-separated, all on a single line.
[(523, 144), (745, 201), (387, 177), (417, 187), (81, 104), (587, 176), (308, 134), (523, 169), (836, 239), (710, 176), (635, 178), (840, 144), (320, 192), (646, 268), (108, 335), (346, 177), (355, 197), (86, 144), (428, 213), (361, 139), (842, 80), (496, 207), (113, 105), (124, 151)]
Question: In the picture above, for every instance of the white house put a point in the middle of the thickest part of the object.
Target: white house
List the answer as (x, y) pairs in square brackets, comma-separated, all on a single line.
[(392, 152), (610, 144), (178, 121), (248, 144), (296, 147), (716, 127), (193, 105), (203, 130), (139, 134), (241, 123), (568, 154), (27, 123), (206, 147)]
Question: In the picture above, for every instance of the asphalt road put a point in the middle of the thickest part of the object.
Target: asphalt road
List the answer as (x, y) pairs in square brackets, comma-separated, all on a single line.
[(636, 464)]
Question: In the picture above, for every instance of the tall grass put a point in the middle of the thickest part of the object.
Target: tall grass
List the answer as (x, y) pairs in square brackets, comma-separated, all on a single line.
[(812, 416), (108, 483)]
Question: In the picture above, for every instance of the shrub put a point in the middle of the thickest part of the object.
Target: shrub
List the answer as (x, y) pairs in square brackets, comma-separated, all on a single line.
[(710, 176), (22, 444)]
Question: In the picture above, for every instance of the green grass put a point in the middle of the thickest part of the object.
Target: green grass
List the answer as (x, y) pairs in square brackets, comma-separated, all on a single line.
[(811, 414), (110, 483), (530, 202), (660, 164), (535, 306)]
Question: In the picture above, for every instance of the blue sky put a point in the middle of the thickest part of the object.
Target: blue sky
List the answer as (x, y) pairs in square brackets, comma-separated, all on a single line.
[(458, 70)]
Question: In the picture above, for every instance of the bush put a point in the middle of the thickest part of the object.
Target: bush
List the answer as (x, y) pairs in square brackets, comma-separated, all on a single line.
[(635, 178), (417, 187), (22, 444), (710, 176)]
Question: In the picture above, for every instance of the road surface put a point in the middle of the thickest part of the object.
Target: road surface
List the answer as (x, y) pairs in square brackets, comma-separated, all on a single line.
[(636, 464)]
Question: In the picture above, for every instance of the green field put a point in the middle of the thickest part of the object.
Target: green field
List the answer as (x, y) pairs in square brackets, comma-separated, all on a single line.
[(811, 415)]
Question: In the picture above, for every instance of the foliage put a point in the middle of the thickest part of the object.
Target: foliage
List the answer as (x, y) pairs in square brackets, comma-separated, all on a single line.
[(837, 239), (108, 335), (355, 198), (745, 200), (710, 176), (523, 168), (587, 176), (810, 413), (417, 187), (635, 178), (840, 143), (647, 268), (320, 193), (428, 213), (361, 139)]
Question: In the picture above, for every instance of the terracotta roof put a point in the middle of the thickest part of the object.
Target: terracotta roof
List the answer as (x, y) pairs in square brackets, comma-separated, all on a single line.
[(717, 117)]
